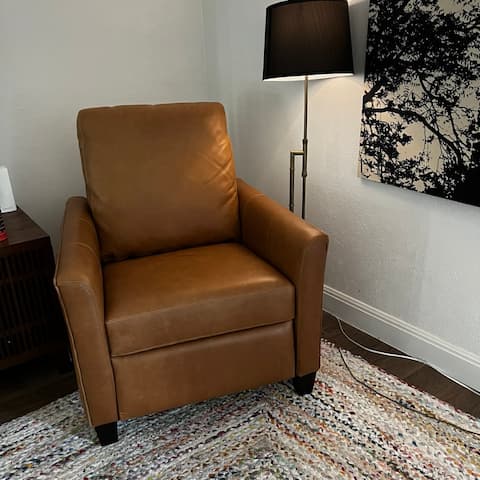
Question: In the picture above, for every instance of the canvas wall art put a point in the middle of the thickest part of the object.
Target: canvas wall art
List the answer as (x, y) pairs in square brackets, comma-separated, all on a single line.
[(421, 108)]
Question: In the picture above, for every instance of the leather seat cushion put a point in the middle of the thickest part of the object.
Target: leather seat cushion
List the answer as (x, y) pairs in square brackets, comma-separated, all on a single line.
[(190, 294)]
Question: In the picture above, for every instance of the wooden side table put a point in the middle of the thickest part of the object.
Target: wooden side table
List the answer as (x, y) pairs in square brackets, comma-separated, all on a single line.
[(31, 323)]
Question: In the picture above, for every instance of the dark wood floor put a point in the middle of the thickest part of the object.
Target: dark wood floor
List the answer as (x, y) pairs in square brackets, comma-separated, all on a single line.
[(28, 387)]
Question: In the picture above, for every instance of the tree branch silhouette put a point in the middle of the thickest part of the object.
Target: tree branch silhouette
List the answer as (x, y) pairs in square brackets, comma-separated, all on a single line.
[(409, 115), (421, 68)]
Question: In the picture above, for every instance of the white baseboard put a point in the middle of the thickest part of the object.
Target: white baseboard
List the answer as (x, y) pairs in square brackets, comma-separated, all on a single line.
[(457, 362)]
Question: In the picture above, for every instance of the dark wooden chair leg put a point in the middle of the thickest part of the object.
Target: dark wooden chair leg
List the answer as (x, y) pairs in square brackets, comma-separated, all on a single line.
[(107, 434), (304, 385)]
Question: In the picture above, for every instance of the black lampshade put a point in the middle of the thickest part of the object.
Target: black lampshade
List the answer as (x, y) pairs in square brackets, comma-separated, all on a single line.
[(307, 37)]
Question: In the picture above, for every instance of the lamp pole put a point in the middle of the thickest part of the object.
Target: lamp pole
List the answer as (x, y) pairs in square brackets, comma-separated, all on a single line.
[(305, 150), (301, 153)]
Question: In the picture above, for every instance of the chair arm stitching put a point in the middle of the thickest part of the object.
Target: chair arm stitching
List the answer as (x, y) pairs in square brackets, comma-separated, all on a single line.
[(89, 291), (88, 247), (79, 370)]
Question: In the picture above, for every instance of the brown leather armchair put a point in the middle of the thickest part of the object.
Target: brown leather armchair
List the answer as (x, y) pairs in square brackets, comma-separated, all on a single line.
[(179, 282)]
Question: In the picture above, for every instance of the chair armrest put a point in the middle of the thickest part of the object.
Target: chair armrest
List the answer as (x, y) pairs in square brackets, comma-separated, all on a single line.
[(299, 251), (79, 283)]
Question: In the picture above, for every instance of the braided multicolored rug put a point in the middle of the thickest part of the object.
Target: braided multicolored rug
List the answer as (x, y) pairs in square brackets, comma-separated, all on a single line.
[(342, 431)]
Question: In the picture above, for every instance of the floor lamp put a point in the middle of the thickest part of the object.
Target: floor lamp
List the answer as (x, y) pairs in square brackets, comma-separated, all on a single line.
[(306, 40)]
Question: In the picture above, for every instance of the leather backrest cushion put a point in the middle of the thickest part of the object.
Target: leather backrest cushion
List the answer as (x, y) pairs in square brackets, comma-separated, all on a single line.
[(158, 177)]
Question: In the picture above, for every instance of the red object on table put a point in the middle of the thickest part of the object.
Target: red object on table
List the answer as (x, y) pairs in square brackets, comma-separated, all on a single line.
[(3, 230)]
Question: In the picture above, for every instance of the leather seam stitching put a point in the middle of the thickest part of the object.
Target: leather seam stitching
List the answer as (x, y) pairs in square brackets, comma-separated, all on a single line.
[(202, 302), (88, 247), (82, 382), (89, 292), (200, 337)]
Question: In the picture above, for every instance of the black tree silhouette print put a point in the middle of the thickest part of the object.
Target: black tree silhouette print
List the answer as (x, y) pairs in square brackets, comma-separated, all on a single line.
[(421, 108)]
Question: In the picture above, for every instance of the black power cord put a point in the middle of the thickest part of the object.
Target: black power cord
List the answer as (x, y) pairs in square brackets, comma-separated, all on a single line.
[(429, 415), (406, 357)]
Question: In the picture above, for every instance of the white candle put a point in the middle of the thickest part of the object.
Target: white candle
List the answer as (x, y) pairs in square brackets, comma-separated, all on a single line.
[(7, 200)]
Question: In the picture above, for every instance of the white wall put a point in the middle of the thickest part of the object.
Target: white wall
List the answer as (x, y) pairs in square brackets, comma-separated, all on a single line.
[(57, 56), (403, 266)]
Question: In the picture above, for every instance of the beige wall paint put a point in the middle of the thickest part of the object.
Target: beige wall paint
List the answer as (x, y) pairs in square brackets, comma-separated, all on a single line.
[(413, 256), (57, 56)]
